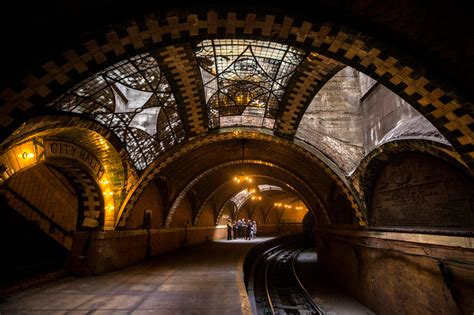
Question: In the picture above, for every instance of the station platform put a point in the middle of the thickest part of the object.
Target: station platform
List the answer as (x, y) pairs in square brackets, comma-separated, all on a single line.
[(203, 279)]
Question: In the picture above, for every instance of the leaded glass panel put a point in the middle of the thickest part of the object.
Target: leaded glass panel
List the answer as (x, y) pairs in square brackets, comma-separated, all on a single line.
[(244, 80), (134, 100)]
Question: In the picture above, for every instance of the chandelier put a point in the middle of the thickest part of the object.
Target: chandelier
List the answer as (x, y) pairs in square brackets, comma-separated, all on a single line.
[(242, 177)]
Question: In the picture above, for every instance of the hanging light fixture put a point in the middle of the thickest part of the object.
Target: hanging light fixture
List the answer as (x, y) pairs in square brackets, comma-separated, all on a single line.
[(242, 177)]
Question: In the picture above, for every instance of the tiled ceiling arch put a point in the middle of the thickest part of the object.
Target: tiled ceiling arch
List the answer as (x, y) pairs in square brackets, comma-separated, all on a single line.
[(305, 189), (205, 184), (134, 100), (439, 102), (309, 78), (187, 150), (179, 65)]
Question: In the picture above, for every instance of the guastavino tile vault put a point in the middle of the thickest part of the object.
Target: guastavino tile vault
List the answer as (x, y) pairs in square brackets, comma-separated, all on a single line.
[(143, 146)]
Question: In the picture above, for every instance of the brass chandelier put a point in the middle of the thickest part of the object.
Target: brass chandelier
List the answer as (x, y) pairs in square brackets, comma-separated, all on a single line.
[(242, 177)]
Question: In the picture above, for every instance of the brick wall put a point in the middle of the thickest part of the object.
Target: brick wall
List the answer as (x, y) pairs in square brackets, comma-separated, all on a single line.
[(392, 276), (416, 190), (112, 250), (150, 200)]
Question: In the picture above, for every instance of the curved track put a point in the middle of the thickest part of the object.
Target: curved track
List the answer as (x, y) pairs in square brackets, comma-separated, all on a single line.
[(274, 287)]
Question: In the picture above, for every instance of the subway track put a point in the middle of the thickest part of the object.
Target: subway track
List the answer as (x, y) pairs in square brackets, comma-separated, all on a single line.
[(275, 288)]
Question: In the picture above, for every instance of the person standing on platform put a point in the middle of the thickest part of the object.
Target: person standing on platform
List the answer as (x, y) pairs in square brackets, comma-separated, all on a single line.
[(234, 230), (229, 230), (248, 231), (239, 228), (254, 229)]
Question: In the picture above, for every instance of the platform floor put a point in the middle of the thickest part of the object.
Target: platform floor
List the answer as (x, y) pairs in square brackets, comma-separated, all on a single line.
[(204, 279)]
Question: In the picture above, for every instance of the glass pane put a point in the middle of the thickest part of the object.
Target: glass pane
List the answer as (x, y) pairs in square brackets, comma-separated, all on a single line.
[(244, 80), (128, 98)]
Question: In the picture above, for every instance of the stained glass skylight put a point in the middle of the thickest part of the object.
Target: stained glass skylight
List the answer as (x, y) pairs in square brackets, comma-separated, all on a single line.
[(265, 187), (244, 80), (240, 197), (134, 100)]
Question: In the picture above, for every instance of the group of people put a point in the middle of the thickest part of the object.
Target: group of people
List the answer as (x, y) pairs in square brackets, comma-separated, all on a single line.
[(241, 229)]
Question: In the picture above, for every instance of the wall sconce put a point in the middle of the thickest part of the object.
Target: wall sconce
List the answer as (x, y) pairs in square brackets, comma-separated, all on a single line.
[(27, 155)]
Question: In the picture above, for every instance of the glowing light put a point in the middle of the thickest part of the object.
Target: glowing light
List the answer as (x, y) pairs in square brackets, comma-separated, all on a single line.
[(256, 198), (27, 155), (242, 179)]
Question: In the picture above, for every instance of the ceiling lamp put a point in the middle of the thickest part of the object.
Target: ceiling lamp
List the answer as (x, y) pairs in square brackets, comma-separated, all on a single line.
[(282, 205), (256, 198), (242, 177)]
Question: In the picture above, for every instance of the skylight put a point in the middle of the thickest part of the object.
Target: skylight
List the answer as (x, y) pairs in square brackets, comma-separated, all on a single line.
[(244, 80), (134, 100), (240, 197), (269, 187)]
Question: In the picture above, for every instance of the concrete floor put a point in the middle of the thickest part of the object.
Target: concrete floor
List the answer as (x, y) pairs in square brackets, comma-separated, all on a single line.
[(205, 279)]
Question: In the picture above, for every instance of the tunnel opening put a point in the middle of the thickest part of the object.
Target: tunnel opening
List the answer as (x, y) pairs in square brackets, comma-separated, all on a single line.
[(32, 254)]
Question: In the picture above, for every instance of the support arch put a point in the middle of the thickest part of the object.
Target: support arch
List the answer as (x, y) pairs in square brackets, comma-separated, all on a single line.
[(407, 77)]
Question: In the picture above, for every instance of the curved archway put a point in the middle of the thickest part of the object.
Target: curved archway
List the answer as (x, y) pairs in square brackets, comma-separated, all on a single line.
[(287, 189), (190, 185), (50, 139), (416, 191), (364, 176), (206, 143), (411, 81)]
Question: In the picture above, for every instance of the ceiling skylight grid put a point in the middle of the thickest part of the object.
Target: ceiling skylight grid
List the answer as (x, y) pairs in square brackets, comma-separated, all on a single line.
[(244, 80), (135, 101)]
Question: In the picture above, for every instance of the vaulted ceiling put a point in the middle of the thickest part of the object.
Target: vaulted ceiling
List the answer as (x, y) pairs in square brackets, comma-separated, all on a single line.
[(168, 80)]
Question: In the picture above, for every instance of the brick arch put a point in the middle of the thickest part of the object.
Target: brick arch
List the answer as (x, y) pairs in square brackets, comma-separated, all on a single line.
[(221, 207), (309, 77), (44, 123), (365, 175), (179, 65), (169, 157), (205, 201), (212, 194), (196, 180), (33, 193), (404, 75), (84, 137), (55, 125), (89, 194)]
